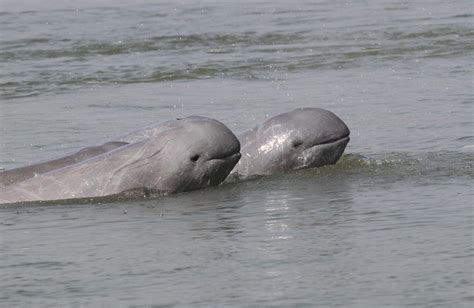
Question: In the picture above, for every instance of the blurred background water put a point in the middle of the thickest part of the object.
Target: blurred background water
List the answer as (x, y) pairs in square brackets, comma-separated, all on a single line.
[(392, 229)]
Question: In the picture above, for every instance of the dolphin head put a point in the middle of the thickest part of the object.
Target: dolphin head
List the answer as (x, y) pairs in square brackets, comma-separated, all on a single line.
[(303, 138), (193, 153), (209, 150)]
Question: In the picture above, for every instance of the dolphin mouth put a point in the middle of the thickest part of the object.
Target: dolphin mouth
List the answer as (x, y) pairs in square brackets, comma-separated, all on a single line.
[(230, 157), (223, 166), (334, 140), (334, 144), (326, 153)]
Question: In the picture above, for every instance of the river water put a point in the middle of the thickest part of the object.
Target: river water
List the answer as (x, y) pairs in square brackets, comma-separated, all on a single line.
[(390, 225)]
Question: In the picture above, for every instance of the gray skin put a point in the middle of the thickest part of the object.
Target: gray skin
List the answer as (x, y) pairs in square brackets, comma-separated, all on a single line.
[(9, 177), (303, 138), (195, 153)]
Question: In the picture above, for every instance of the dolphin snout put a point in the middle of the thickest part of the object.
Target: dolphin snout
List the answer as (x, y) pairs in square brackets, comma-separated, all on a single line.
[(327, 153), (222, 167)]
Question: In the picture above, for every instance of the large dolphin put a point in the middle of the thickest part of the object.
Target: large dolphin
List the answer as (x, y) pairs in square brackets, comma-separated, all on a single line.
[(12, 176), (187, 154), (303, 138)]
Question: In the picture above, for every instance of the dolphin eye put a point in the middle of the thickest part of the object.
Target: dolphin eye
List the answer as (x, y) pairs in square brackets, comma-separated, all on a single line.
[(297, 143), (194, 157)]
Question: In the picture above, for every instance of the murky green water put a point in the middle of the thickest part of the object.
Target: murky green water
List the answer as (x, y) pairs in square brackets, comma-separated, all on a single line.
[(390, 225)]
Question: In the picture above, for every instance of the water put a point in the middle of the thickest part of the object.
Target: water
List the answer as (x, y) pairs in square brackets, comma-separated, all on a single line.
[(390, 225)]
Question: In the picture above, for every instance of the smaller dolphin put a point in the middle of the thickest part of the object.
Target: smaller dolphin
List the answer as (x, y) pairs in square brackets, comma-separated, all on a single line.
[(191, 153), (303, 138)]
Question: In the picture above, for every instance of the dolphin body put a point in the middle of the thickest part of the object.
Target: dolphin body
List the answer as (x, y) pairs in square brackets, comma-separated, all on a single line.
[(9, 177), (302, 138), (12, 176), (181, 155)]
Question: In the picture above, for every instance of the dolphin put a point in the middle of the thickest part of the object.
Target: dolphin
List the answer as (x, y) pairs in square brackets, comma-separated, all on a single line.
[(187, 154), (20, 174), (302, 138)]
